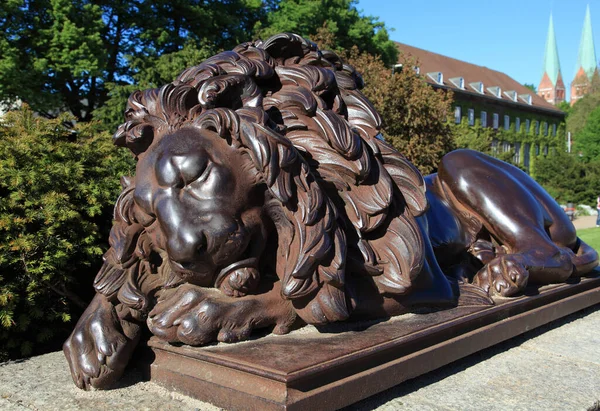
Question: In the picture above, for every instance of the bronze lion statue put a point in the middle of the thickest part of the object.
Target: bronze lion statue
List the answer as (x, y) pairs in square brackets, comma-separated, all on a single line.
[(265, 197)]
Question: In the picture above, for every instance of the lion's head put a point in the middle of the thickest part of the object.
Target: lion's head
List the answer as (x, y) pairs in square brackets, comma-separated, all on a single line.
[(264, 160)]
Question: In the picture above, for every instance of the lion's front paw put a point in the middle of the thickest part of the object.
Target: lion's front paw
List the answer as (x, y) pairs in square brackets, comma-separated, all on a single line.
[(505, 275), (196, 316), (98, 349)]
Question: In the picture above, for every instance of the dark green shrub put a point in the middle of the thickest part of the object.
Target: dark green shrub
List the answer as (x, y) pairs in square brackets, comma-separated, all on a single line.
[(57, 186), (569, 179)]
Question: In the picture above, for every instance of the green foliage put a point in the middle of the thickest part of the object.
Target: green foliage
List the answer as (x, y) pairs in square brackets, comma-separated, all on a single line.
[(531, 87), (568, 179), (473, 137), (57, 185), (59, 55), (149, 73), (580, 112), (51, 54), (413, 113), (564, 106), (587, 141), (339, 17)]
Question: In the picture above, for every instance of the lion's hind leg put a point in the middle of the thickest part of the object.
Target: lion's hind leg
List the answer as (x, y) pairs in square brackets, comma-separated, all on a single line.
[(518, 215)]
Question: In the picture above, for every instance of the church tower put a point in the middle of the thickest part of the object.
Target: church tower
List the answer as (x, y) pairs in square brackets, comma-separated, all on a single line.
[(587, 65), (552, 87)]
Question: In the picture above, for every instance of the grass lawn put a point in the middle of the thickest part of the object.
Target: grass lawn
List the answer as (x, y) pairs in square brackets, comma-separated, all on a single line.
[(591, 236)]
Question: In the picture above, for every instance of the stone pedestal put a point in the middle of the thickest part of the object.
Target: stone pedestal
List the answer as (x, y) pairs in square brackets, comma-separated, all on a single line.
[(337, 366)]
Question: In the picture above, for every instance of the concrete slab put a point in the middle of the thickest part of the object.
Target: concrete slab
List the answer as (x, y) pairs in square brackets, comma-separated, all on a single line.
[(525, 373), (578, 340), (44, 383)]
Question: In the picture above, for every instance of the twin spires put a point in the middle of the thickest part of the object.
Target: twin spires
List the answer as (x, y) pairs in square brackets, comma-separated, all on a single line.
[(552, 87)]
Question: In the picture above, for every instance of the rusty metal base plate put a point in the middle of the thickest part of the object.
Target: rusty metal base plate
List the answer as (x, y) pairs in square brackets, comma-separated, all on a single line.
[(334, 366)]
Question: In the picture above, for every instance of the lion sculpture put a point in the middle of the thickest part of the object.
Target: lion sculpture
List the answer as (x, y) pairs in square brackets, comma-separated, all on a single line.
[(265, 197)]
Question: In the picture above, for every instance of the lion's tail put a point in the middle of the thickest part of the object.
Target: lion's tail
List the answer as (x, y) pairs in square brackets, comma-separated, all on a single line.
[(585, 258)]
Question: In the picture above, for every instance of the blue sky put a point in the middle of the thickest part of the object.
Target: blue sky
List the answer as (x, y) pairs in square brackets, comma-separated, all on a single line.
[(505, 35)]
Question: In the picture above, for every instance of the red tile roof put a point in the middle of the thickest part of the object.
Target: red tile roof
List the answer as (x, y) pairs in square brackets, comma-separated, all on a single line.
[(429, 62)]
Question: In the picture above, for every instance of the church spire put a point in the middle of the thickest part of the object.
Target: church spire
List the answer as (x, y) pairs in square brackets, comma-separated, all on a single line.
[(552, 87), (551, 62), (586, 61), (586, 58)]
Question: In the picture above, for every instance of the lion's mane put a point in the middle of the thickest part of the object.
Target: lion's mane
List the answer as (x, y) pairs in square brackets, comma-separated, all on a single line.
[(347, 201)]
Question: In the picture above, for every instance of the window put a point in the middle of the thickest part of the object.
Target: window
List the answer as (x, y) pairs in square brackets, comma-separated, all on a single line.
[(505, 146), (495, 91), (496, 121), (536, 127), (506, 122), (553, 130), (494, 147), (477, 86), (545, 128), (483, 119), (545, 150), (527, 126), (517, 156), (436, 76), (458, 82), (457, 114), (511, 94), (526, 98), (471, 114), (537, 150), (526, 150), (517, 124)]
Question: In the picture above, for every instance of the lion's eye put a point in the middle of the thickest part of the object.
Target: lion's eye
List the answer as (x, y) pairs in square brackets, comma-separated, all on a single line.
[(196, 171), (179, 171)]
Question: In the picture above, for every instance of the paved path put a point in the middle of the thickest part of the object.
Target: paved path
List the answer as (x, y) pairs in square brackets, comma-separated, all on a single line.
[(587, 221), (555, 367)]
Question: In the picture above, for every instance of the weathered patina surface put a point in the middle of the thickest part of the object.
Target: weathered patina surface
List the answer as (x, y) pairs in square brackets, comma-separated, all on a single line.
[(265, 197)]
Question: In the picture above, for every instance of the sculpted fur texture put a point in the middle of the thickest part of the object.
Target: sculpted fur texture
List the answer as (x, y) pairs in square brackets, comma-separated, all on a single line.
[(265, 197)]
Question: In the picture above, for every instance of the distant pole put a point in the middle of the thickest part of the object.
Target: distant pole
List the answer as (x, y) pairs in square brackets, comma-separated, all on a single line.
[(569, 142)]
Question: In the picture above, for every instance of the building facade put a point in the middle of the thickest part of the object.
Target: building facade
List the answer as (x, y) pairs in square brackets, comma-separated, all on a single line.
[(523, 122)]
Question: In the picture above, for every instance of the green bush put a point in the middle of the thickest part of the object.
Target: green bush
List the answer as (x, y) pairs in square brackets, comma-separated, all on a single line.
[(57, 185), (569, 179)]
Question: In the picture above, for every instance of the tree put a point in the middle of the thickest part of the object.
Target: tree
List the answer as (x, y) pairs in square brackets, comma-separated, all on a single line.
[(565, 107), (587, 141), (51, 55), (149, 73), (413, 112), (531, 87), (341, 18), (566, 178), (580, 112), (59, 55), (57, 187)]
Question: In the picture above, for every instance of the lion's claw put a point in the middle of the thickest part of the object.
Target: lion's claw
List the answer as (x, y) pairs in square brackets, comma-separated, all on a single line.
[(505, 275), (98, 350), (214, 317)]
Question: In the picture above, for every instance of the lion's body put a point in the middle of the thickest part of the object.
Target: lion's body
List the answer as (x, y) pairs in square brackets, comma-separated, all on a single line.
[(264, 192)]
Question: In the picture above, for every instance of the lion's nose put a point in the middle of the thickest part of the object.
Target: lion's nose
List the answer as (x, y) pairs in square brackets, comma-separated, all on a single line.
[(186, 249)]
